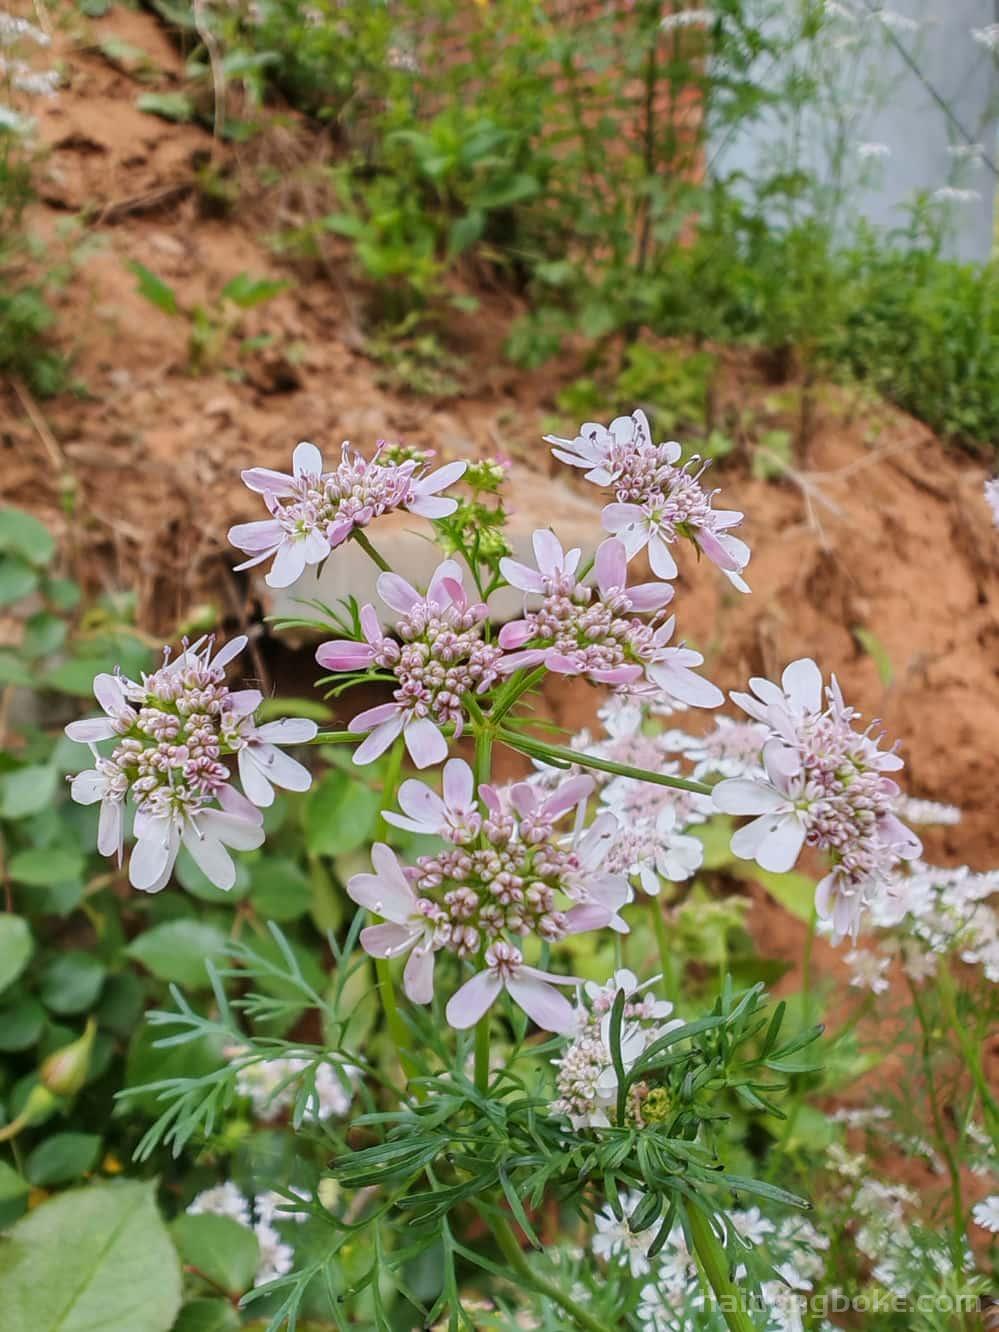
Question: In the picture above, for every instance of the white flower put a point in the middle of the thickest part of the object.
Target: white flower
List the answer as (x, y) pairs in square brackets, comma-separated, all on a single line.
[(262, 766), (616, 1240), (272, 1206), (222, 1200), (873, 150), (952, 194), (986, 1214), (867, 971), (751, 1225), (987, 36), (276, 1257)]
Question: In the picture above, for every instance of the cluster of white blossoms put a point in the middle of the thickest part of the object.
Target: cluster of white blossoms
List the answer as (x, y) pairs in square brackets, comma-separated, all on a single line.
[(673, 1299), (19, 76), (931, 912), (272, 1085), (276, 1257), (587, 1082)]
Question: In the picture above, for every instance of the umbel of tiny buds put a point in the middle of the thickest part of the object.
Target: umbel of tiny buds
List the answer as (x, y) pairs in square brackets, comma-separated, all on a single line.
[(499, 879), (173, 732)]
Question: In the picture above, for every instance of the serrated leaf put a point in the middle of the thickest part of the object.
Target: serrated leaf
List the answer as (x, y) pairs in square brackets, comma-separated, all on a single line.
[(98, 1257), (178, 950)]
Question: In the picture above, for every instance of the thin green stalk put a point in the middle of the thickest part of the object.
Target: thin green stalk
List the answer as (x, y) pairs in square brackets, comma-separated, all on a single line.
[(541, 749), (943, 1143), (483, 767), (510, 694), (386, 986), (370, 551), (714, 1263), (514, 1255), (670, 982), (335, 738), (970, 1048)]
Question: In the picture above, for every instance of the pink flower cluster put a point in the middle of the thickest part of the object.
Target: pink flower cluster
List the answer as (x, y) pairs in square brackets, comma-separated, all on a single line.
[(173, 731), (441, 656), (314, 511), (823, 783), (596, 631), (503, 875), (658, 503)]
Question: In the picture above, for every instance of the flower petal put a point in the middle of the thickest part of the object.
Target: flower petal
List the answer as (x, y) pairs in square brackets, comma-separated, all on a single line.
[(473, 1000), (343, 654), (425, 742), (611, 565), (459, 784), (418, 975), (307, 460), (541, 1002)]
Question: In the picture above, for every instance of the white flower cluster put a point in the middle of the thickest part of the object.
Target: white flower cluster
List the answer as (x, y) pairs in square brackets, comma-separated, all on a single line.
[(932, 911), (673, 1300), (586, 1080), (276, 1257), (17, 76), (271, 1086), (904, 1257)]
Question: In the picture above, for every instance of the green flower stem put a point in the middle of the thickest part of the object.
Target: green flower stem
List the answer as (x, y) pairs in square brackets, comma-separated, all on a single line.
[(386, 986), (335, 738), (542, 749), (483, 764), (943, 1143), (970, 1046), (670, 983), (521, 1268), (510, 694), (370, 551), (714, 1264)]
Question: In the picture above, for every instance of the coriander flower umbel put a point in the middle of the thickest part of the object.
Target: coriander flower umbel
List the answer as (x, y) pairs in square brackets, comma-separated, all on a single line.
[(824, 783), (441, 658), (587, 1081), (173, 731), (596, 631), (502, 877), (615, 1238), (657, 501), (314, 511)]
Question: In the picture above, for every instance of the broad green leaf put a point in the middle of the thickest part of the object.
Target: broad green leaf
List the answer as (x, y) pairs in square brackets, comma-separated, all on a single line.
[(14, 1189), (208, 1316), (21, 1024), (44, 633), (46, 865), (14, 670), (225, 1251), (340, 814), (17, 579), (71, 983), (121, 1003), (177, 951), (280, 890), (97, 1259), (62, 593), (62, 1158), (153, 288), (246, 291), (76, 676), (794, 891), (22, 534), (27, 790), (175, 106), (198, 884), (16, 947)]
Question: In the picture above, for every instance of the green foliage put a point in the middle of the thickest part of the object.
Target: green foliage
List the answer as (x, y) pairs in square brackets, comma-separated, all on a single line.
[(213, 326), (117, 1267)]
